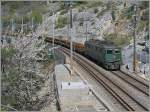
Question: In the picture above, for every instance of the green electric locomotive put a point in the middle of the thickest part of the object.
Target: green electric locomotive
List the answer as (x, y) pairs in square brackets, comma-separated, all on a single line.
[(104, 53)]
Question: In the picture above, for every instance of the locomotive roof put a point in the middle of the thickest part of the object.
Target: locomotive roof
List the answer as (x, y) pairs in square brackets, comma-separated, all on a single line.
[(106, 44)]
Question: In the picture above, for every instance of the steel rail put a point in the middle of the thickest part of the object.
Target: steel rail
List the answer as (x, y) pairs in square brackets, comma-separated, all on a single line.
[(97, 77), (115, 94), (133, 82)]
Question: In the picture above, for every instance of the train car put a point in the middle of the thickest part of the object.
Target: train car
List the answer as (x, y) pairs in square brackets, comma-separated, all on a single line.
[(78, 47), (104, 53)]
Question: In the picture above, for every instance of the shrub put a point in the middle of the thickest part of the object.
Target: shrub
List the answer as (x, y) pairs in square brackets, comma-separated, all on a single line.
[(95, 3), (145, 15), (113, 15), (63, 11), (37, 16), (141, 25), (118, 39), (81, 23), (144, 4), (8, 52), (96, 10), (101, 13), (129, 12), (61, 21), (81, 8)]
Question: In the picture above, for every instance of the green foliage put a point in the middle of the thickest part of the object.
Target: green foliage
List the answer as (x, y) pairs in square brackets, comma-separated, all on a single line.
[(93, 22), (81, 23), (7, 52), (37, 10), (141, 25), (111, 5), (6, 99), (63, 11), (26, 18), (63, 5), (101, 13), (9, 82), (81, 8), (11, 77), (61, 21), (129, 12), (145, 15), (5, 20), (96, 10), (80, 2), (13, 4), (118, 39), (95, 3), (42, 9), (37, 16), (144, 4), (113, 15)]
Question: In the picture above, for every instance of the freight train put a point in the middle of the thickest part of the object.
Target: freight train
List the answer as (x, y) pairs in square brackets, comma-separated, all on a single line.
[(104, 53)]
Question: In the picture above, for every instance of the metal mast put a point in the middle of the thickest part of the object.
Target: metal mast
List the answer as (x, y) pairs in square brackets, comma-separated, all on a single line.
[(53, 22), (12, 27), (71, 47), (85, 23), (22, 26), (134, 39), (32, 24), (53, 29)]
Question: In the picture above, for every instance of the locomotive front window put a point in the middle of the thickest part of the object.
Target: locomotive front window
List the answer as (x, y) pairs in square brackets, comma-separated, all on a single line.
[(109, 51)]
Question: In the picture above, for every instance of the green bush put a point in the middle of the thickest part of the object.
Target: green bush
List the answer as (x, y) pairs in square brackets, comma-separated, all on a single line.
[(37, 16), (62, 5), (113, 15), (80, 2), (95, 3), (61, 21), (81, 8), (145, 15), (7, 52), (141, 25), (96, 10), (118, 39), (81, 23), (11, 77), (26, 18), (144, 4), (101, 13), (129, 12), (63, 11)]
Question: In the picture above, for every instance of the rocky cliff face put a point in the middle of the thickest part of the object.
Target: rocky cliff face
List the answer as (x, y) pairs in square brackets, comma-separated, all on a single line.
[(91, 19), (98, 21)]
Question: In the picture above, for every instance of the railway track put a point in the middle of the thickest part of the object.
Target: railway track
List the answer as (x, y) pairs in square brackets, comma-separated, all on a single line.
[(139, 85), (127, 101)]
